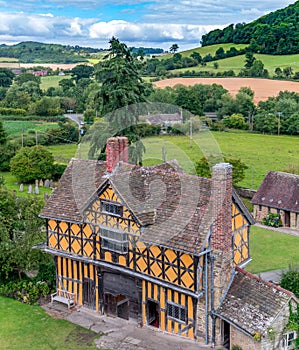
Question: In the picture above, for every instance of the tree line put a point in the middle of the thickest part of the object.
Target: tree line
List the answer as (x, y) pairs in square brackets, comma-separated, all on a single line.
[(274, 34)]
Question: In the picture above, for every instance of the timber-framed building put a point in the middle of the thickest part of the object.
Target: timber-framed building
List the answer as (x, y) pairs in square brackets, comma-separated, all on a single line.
[(149, 243)]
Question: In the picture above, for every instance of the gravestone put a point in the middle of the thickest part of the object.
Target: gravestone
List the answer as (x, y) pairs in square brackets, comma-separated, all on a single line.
[(21, 188), (30, 189)]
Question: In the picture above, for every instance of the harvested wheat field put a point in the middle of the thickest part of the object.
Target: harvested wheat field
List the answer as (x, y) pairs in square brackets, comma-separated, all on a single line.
[(263, 88)]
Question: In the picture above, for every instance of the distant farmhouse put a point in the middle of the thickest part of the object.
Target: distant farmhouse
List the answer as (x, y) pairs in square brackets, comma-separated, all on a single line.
[(279, 194), (164, 120), (40, 73)]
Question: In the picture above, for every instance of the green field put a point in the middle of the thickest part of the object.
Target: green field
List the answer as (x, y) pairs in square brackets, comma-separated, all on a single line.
[(64, 153), (8, 59), (16, 127), (25, 327), (51, 81), (237, 63), (271, 250), (259, 152)]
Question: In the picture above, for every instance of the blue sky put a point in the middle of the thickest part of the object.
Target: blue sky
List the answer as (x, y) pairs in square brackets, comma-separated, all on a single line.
[(135, 22)]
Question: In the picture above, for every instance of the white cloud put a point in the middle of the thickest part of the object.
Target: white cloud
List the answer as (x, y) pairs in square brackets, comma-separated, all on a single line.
[(151, 32)]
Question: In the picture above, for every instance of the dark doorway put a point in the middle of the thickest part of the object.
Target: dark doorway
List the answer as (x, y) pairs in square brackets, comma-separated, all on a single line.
[(89, 293), (287, 218), (153, 314), (226, 334), (122, 305)]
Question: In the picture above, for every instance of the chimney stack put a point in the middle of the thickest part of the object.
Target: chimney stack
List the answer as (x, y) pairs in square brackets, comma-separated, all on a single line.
[(222, 207), (117, 149)]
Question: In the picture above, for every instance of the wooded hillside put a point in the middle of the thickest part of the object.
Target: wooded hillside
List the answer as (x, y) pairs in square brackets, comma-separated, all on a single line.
[(276, 33), (34, 52)]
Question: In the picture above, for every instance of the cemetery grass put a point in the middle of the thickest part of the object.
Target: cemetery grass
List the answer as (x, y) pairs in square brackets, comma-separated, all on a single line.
[(271, 250), (12, 184), (30, 327)]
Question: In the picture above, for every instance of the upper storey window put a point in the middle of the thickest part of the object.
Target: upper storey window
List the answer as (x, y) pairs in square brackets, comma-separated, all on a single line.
[(111, 208)]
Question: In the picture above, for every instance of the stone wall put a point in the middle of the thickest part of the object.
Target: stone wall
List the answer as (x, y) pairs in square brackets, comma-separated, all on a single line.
[(260, 212), (244, 341)]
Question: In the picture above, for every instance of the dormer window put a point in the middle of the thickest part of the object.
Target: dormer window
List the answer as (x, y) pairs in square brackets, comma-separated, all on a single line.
[(111, 208)]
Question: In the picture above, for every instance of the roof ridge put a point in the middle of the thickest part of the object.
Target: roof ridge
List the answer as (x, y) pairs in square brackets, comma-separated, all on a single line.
[(269, 284)]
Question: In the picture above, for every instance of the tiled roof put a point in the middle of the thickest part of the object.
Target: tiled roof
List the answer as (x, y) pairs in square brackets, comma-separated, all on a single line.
[(251, 303), (77, 184), (279, 190), (173, 208)]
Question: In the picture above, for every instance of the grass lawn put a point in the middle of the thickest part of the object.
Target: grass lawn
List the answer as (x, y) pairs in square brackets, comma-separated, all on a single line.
[(259, 152), (51, 81), (31, 328), (63, 153), (271, 250)]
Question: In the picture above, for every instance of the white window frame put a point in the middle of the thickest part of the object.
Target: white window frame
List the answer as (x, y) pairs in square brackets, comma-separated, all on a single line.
[(114, 240), (287, 344)]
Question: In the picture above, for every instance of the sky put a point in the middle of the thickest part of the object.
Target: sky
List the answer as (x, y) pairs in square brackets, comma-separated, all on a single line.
[(146, 23)]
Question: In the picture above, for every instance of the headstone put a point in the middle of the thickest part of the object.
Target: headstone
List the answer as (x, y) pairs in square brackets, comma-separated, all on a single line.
[(21, 188), (36, 182), (41, 183), (30, 189), (51, 184), (36, 190), (47, 183)]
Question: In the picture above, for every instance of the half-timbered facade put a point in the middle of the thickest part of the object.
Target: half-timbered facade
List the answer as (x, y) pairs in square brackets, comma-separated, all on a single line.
[(149, 243)]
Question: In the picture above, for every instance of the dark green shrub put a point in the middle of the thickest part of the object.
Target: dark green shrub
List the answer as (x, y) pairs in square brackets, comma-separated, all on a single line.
[(272, 220)]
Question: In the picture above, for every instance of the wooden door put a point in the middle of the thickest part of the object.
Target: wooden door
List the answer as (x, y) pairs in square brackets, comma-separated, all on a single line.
[(287, 219), (89, 293)]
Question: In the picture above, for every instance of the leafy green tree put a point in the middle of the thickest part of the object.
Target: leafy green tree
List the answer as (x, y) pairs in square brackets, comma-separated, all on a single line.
[(32, 163), (7, 152), (120, 91), (203, 168), (290, 281), (25, 77), (278, 72), (3, 135), (249, 59), (266, 123), (219, 54), (174, 48), (287, 72), (6, 77), (82, 71), (20, 230), (121, 86), (47, 106), (196, 56), (235, 121)]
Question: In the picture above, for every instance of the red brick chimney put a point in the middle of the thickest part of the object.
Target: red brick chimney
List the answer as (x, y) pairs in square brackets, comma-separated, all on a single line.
[(222, 207), (117, 149), (123, 149)]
